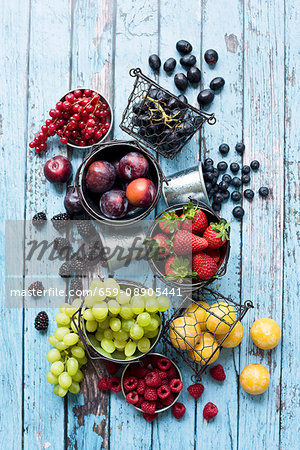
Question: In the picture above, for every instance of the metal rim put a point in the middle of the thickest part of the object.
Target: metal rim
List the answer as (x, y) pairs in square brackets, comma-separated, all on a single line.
[(160, 410), (86, 147)]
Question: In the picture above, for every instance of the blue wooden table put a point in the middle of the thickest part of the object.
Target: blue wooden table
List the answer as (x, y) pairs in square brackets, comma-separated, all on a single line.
[(49, 47)]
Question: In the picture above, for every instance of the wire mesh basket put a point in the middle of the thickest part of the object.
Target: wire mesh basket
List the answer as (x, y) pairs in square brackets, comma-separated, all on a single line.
[(199, 329), (159, 119)]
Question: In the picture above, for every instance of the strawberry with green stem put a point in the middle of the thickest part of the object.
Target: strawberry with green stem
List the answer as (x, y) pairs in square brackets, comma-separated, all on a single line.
[(178, 269), (169, 222), (158, 246), (194, 219), (216, 234)]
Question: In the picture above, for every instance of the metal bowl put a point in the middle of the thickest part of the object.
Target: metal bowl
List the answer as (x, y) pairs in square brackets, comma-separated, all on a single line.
[(111, 118), (179, 376)]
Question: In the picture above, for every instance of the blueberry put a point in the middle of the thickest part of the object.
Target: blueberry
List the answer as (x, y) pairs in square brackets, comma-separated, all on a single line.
[(209, 169), (245, 179), (194, 75), (188, 60), (234, 167), (217, 83), (222, 166), (214, 182), (254, 165), (184, 47), (154, 62), (169, 65), (263, 191), (224, 149), (236, 182), (205, 97), (209, 176), (208, 186), (236, 196), (213, 190), (181, 81), (246, 170), (223, 186), (227, 178), (226, 195), (240, 148), (208, 162), (211, 57), (216, 206), (183, 99), (238, 212), (248, 194), (218, 198)]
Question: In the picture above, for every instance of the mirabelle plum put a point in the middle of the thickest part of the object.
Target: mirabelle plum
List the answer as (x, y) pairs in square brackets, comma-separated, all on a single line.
[(255, 379), (265, 333)]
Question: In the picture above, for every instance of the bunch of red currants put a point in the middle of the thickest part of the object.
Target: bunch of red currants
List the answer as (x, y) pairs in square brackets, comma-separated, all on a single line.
[(81, 119)]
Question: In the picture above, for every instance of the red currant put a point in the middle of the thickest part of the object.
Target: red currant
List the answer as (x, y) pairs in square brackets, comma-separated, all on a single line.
[(82, 143), (43, 146), (75, 133), (52, 127), (95, 99), (87, 93), (76, 141), (92, 141), (59, 132), (72, 124), (104, 130), (32, 144), (75, 117), (90, 123), (84, 102), (37, 149), (52, 113), (81, 124), (44, 128), (76, 107), (60, 123), (107, 125), (105, 113), (70, 98), (77, 93), (67, 133), (84, 113), (67, 106), (37, 140), (89, 130), (89, 108), (42, 137), (64, 140), (66, 115), (60, 106), (104, 105)]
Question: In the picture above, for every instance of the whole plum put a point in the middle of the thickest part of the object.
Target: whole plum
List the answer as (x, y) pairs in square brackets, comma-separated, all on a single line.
[(100, 176), (114, 204), (133, 165)]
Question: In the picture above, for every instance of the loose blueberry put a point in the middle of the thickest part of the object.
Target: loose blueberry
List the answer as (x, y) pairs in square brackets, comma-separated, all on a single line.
[(254, 165), (227, 178), (234, 167), (217, 83), (154, 62), (218, 198), (238, 212), (245, 170), (205, 97), (208, 186), (236, 182), (248, 194), (184, 47), (194, 75), (223, 186), (209, 176), (208, 162), (263, 191), (169, 65), (188, 60), (209, 169), (215, 172), (211, 57), (183, 99), (216, 206), (240, 148), (181, 81), (214, 181), (213, 190), (224, 149), (226, 195), (236, 196), (222, 166), (245, 179)]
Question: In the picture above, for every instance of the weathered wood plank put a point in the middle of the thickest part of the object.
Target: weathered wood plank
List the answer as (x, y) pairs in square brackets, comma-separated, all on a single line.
[(262, 250)]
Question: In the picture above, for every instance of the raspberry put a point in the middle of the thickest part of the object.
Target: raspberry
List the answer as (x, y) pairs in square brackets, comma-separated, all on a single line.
[(164, 363), (210, 411), (132, 397), (172, 372), (176, 385), (153, 380), (165, 382), (140, 401), (104, 384), (161, 373), (154, 361), (130, 383), (111, 367), (163, 392), (141, 387), (196, 390), (115, 384), (168, 401), (139, 371), (178, 410), (159, 405), (218, 373), (149, 417), (150, 394), (148, 407)]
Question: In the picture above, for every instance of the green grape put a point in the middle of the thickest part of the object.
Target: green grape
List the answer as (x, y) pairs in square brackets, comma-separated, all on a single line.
[(127, 324), (52, 340), (118, 355), (151, 334), (76, 303), (126, 312), (78, 376), (65, 380), (70, 310), (144, 319), (108, 345), (82, 361), (74, 325), (90, 300), (163, 303), (62, 392), (78, 352), (130, 348), (72, 366), (62, 319), (57, 368), (156, 317), (123, 298), (100, 310), (115, 324), (53, 355), (56, 389), (91, 326), (137, 304), (144, 345), (151, 305), (71, 339), (108, 333), (150, 294), (80, 344), (104, 324), (102, 352), (74, 388), (114, 307), (136, 332), (52, 379), (96, 284), (120, 344), (98, 290), (111, 287), (122, 335), (59, 333), (63, 307), (88, 314), (99, 335), (61, 346), (153, 325)]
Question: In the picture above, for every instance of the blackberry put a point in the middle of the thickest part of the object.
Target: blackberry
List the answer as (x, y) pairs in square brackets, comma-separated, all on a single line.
[(39, 219), (60, 221), (79, 265), (254, 165), (62, 245), (245, 170), (86, 229), (240, 148), (95, 253), (238, 212), (236, 182), (41, 321), (76, 285), (224, 149), (66, 270), (245, 179), (234, 167), (248, 194), (236, 196), (36, 289), (263, 191), (222, 166), (227, 178)]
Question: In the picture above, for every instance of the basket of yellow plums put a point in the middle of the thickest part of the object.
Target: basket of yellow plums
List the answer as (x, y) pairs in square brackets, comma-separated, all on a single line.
[(198, 329)]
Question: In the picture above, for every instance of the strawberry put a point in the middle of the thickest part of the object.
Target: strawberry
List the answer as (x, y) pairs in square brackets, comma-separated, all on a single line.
[(204, 266), (197, 216), (216, 234), (178, 268), (169, 222), (159, 245), (214, 253), (185, 242)]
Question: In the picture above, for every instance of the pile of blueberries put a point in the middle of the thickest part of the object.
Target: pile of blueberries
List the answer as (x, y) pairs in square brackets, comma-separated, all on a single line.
[(218, 190), (193, 74)]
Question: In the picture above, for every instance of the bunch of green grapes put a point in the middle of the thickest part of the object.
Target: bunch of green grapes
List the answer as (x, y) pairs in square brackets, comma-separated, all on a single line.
[(122, 324), (68, 355)]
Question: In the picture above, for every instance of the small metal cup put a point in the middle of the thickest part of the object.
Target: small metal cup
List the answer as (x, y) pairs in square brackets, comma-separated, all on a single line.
[(186, 184)]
